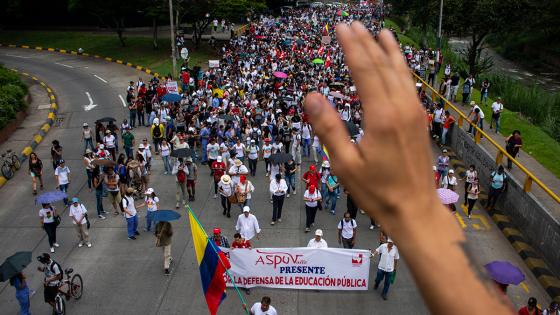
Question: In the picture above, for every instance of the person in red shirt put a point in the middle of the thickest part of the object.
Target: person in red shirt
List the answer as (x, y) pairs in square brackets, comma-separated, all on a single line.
[(240, 242), (219, 168), (185, 78), (449, 120), (531, 308), (437, 176), (311, 177)]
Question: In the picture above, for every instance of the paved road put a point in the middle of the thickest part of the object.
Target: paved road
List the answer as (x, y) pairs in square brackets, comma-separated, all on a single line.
[(125, 277)]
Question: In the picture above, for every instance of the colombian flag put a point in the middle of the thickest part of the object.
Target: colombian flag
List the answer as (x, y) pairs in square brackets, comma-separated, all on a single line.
[(212, 264)]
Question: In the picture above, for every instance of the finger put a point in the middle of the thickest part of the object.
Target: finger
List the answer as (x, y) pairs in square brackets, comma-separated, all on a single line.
[(394, 55), (331, 131), (367, 80)]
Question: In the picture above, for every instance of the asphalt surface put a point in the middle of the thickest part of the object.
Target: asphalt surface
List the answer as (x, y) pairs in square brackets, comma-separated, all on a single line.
[(126, 277)]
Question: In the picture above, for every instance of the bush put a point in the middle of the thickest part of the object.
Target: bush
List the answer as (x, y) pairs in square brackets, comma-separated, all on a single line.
[(12, 92)]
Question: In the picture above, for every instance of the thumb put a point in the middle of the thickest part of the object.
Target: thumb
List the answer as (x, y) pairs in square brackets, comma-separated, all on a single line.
[(331, 130)]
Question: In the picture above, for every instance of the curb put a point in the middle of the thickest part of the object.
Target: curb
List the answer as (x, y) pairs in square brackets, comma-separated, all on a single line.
[(72, 52), (532, 259), (39, 135)]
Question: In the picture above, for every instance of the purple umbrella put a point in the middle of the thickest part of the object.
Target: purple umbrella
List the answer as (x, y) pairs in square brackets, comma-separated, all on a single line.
[(280, 75), (504, 272), (447, 196), (50, 197)]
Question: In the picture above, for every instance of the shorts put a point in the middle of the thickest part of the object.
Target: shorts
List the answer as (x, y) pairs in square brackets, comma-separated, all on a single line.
[(190, 182), (114, 196), (50, 293)]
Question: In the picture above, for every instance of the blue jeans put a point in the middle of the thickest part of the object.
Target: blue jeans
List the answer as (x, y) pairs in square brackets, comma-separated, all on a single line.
[(150, 220), (291, 181), (64, 188), (306, 143), (99, 201), (204, 144), (386, 282), (88, 143), (331, 201), (132, 118), (23, 299), (89, 174), (132, 225), (166, 164), (444, 135), (129, 153)]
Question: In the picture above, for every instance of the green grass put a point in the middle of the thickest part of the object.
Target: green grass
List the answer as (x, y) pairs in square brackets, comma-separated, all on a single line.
[(138, 50), (536, 142)]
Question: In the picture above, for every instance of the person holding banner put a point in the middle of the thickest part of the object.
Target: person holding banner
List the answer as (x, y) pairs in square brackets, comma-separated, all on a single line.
[(247, 224), (262, 308), (312, 197), (317, 241), (389, 255)]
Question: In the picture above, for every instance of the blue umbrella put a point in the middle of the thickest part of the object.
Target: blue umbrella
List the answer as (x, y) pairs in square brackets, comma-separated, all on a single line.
[(166, 215), (171, 97), (50, 197)]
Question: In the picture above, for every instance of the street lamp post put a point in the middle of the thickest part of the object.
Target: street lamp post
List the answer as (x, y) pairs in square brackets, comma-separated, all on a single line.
[(173, 54), (439, 25)]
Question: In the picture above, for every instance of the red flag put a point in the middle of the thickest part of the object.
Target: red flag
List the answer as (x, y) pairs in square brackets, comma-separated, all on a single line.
[(328, 61)]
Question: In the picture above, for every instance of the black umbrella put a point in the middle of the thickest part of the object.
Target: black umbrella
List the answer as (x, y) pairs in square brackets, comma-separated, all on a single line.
[(106, 119), (182, 153), (278, 158), (14, 264), (352, 128)]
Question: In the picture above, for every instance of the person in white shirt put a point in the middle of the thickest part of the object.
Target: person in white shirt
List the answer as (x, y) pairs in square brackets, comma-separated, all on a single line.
[(78, 213), (389, 256), (239, 149), (226, 189), (212, 152), (236, 170), (306, 139), (263, 308), (109, 142), (278, 189), (318, 241), (62, 175), (130, 214), (48, 223), (497, 109), (247, 224), (165, 149), (347, 231), (151, 201), (312, 197), (266, 153), (253, 155), (317, 150), (296, 146)]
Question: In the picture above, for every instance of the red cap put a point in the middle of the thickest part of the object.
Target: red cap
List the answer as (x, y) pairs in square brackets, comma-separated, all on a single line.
[(312, 189), (217, 231), (242, 178), (312, 167), (266, 139)]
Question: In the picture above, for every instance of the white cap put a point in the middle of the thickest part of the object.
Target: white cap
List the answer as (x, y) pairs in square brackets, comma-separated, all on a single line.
[(318, 232), (434, 168), (156, 121), (248, 138), (141, 146), (326, 164), (451, 172), (246, 209), (101, 146), (149, 191), (219, 158), (85, 124), (252, 140), (389, 240)]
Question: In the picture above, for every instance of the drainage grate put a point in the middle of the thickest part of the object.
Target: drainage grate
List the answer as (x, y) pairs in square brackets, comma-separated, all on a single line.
[(59, 120)]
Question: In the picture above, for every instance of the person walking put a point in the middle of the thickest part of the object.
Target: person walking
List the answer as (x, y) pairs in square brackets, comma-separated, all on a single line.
[(98, 180), (312, 198), (111, 180), (347, 231), (443, 164), (49, 223), (470, 175), (531, 308), (180, 171), (110, 144), (36, 171), (192, 175), (164, 235), (296, 146), (332, 196), (236, 170), (389, 256), (253, 157), (78, 213), (472, 195), (226, 189), (151, 201), (53, 276), (513, 145), (130, 214), (22, 293), (290, 170), (497, 187), (317, 241), (247, 224), (552, 309), (312, 177), (278, 189), (62, 176), (88, 164), (266, 153), (132, 112), (218, 170), (450, 182), (56, 153), (213, 152), (219, 239), (244, 191), (165, 149), (87, 137), (157, 132), (128, 143), (497, 109)]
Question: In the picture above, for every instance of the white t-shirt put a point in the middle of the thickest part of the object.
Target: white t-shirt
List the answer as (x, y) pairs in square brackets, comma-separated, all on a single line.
[(306, 132), (446, 182), (497, 106), (151, 203), (315, 195), (165, 150), (62, 173), (239, 150), (128, 203), (253, 152), (347, 228), (387, 259), (314, 244), (235, 171), (213, 151), (267, 150), (47, 215), (109, 141), (77, 212), (256, 309)]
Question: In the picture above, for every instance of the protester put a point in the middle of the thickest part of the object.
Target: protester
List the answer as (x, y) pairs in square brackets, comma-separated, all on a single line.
[(111, 181), (262, 308), (36, 171), (513, 145), (151, 201), (449, 121), (130, 214), (128, 142), (236, 170), (22, 293), (244, 192), (498, 182), (56, 153), (531, 308), (470, 175), (180, 171), (164, 234), (165, 149), (219, 239), (311, 177), (312, 198), (497, 109), (317, 241), (78, 213), (48, 216), (62, 176), (472, 195), (87, 137), (218, 170), (552, 309), (157, 132), (240, 242), (192, 175), (332, 195), (389, 256), (53, 276), (347, 231), (290, 170), (98, 180), (443, 164), (110, 144), (247, 224), (226, 189), (278, 189)]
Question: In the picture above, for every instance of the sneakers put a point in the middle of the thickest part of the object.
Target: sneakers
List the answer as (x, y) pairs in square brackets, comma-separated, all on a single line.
[(56, 245), (177, 206), (102, 217), (131, 238), (279, 220), (288, 196), (215, 196), (295, 192), (80, 244), (469, 216), (164, 173), (307, 230), (272, 223), (136, 233), (167, 272), (88, 244), (333, 213), (52, 249), (371, 227), (362, 211)]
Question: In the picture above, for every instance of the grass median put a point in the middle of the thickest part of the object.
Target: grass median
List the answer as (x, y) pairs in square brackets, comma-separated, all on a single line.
[(138, 49)]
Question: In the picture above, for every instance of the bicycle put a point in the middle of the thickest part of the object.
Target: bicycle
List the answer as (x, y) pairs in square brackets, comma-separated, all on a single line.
[(10, 164), (74, 289)]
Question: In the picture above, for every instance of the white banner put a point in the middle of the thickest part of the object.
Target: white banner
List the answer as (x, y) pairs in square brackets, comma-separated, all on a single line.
[(213, 63), (172, 87), (299, 268)]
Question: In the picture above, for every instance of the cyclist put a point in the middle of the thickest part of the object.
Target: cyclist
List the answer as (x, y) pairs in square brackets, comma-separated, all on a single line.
[(53, 276)]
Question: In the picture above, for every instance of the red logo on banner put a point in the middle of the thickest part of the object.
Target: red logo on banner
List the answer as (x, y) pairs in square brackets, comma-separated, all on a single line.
[(357, 259)]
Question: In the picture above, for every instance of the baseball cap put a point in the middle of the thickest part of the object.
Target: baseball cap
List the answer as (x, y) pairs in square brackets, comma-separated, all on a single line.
[(75, 200), (217, 231), (246, 209), (319, 232)]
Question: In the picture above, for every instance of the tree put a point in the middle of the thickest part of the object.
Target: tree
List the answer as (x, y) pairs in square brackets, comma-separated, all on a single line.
[(156, 11), (109, 13)]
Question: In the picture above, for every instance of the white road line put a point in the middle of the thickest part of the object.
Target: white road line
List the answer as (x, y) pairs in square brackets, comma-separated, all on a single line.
[(61, 64), (100, 78), (90, 106), (17, 56), (46, 106), (122, 100)]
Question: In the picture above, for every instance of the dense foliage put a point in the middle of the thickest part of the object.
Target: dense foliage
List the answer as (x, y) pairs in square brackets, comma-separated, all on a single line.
[(12, 91)]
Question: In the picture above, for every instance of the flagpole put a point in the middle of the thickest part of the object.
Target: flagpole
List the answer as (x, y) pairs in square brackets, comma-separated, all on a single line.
[(211, 242)]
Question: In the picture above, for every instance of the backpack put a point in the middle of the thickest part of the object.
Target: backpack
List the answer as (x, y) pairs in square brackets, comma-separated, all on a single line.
[(181, 176), (51, 268), (157, 131), (122, 171), (352, 222), (255, 135)]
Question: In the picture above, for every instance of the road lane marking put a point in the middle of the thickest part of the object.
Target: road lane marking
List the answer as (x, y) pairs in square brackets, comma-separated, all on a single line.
[(524, 287), (46, 106), (90, 106), (461, 221), (122, 100), (100, 78), (61, 64), (18, 56)]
